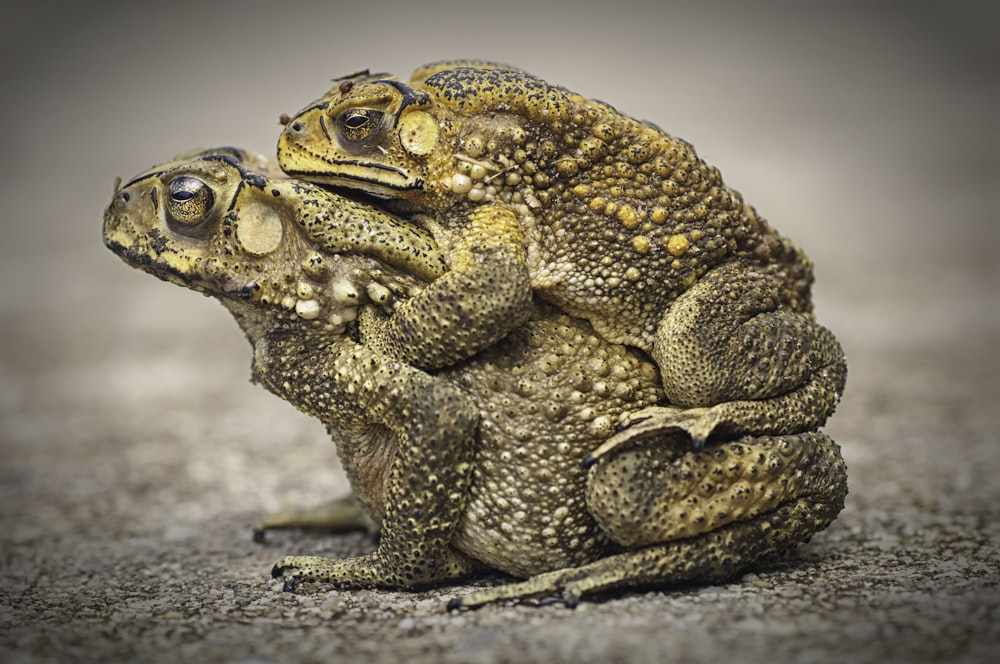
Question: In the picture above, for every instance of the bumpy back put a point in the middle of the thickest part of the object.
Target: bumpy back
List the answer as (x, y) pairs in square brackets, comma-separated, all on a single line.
[(595, 168)]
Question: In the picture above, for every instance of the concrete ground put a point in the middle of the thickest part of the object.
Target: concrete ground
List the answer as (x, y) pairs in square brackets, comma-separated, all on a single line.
[(135, 456)]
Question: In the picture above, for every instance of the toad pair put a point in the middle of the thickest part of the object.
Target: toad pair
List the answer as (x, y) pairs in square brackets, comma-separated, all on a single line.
[(547, 282)]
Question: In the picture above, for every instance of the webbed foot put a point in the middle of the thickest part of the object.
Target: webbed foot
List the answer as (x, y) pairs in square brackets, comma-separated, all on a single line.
[(655, 422)]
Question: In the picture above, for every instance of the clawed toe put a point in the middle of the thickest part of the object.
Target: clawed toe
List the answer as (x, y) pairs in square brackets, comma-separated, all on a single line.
[(567, 601), (524, 590), (278, 571)]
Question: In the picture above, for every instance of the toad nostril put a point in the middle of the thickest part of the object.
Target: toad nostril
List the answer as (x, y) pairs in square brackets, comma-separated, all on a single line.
[(297, 126), (125, 197)]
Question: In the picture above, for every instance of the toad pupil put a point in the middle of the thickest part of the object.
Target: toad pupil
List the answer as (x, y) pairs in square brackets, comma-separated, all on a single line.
[(356, 121)]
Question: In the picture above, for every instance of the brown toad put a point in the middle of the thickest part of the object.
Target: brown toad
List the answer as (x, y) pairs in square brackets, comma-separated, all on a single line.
[(606, 217), (481, 464)]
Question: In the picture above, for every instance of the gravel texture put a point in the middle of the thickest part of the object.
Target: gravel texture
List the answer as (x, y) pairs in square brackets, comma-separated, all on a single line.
[(135, 457)]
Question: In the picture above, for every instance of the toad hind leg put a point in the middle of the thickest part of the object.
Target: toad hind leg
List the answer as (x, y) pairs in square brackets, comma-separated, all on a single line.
[(737, 357), (697, 516)]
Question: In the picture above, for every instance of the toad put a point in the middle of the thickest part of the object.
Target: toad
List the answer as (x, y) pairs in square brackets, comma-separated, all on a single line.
[(479, 465), (532, 188)]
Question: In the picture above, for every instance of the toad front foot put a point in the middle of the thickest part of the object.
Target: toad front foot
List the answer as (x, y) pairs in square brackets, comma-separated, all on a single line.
[(360, 572)]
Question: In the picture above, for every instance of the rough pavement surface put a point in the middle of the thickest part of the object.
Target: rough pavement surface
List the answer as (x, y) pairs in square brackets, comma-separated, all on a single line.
[(135, 456)]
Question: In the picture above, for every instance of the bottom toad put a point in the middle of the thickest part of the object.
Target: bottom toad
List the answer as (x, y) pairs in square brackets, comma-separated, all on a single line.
[(507, 461)]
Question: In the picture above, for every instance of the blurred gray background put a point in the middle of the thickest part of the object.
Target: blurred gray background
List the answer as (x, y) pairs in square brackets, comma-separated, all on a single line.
[(135, 455)]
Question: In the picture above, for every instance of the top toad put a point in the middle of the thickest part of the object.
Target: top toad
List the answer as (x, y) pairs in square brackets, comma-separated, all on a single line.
[(533, 188)]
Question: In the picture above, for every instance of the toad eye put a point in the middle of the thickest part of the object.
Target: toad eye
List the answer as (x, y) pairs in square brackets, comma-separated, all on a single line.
[(359, 124), (189, 201)]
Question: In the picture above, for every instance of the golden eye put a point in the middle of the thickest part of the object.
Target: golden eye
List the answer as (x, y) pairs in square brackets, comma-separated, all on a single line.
[(358, 124), (189, 201)]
